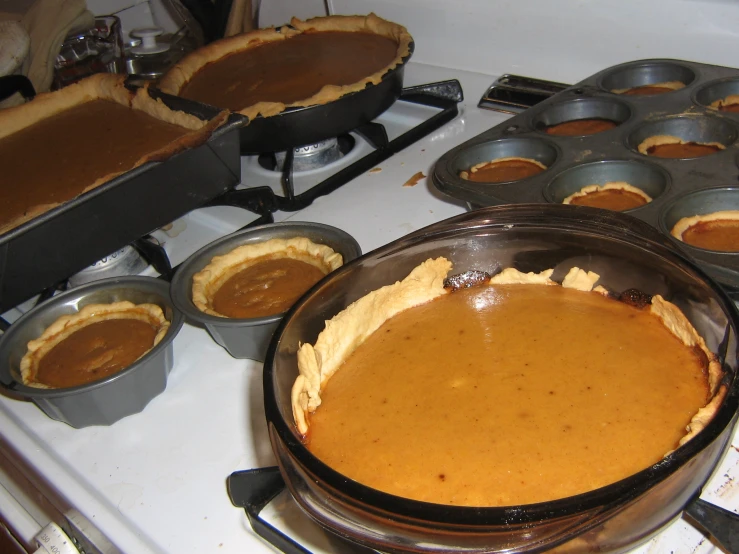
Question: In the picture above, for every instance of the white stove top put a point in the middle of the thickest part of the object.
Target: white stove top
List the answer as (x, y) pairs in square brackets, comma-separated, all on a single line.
[(156, 481)]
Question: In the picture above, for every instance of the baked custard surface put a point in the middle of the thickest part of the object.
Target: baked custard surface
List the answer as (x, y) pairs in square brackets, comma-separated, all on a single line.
[(718, 231), (494, 408), (503, 170), (579, 127), (616, 196), (70, 141), (306, 63), (261, 279), (98, 341)]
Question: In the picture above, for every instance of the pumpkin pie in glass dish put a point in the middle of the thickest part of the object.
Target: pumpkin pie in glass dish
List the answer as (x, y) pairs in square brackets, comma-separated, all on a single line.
[(489, 408), (305, 63)]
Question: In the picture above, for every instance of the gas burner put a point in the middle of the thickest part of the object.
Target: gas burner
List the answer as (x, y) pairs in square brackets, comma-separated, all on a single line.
[(312, 156), (126, 261)]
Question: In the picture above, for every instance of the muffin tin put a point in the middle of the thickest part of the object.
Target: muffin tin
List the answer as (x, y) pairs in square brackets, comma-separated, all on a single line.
[(678, 187)]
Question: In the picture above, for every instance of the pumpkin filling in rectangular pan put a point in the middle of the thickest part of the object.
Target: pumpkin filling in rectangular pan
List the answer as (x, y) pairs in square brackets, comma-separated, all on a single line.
[(68, 142), (514, 391)]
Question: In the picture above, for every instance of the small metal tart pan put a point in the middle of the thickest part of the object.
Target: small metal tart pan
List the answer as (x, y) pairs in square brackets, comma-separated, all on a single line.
[(119, 395), (646, 73), (609, 109), (702, 129), (249, 338)]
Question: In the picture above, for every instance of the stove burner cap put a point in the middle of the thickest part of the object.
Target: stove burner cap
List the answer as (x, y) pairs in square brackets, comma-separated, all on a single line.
[(126, 261), (312, 156)]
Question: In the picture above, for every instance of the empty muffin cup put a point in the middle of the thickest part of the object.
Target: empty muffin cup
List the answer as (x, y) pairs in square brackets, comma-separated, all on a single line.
[(632, 184), (249, 337), (582, 116), (647, 78), (707, 219), (505, 160), (105, 401), (720, 95), (683, 137)]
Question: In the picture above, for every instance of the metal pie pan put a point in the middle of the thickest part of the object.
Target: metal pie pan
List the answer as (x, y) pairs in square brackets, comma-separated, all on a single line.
[(582, 108), (119, 395), (650, 178), (249, 338), (716, 90), (645, 73), (702, 129)]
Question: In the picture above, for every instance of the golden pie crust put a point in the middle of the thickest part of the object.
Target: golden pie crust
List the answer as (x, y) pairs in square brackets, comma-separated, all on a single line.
[(181, 73), (208, 280), (659, 140), (686, 223), (350, 328), (672, 85), (616, 185), (730, 100), (475, 168), (66, 325), (100, 87)]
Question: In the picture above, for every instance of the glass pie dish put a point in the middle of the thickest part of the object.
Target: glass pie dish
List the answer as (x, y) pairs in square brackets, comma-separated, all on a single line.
[(626, 253)]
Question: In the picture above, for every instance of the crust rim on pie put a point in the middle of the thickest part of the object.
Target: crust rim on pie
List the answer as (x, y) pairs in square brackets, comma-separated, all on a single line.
[(103, 86), (615, 185), (350, 328), (686, 223), (672, 85), (475, 168), (207, 281), (659, 140), (64, 326), (730, 100), (182, 72)]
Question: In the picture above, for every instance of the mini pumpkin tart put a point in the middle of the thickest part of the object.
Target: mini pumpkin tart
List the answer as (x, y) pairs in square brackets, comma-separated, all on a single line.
[(617, 196), (728, 104), (96, 342), (262, 279), (667, 146), (717, 231), (68, 142), (580, 127), (306, 63), (650, 90), (468, 395), (503, 170)]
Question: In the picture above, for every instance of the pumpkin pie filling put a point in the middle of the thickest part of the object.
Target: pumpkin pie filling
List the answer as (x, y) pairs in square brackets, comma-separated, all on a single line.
[(98, 341), (290, 70), (580, 127), (261, 279), (67, 142), (503, 170), (718, 231), (268, 287), (728, 104), (492, 409), (650, 90), (617, 196), (304, 64), (666, 146)]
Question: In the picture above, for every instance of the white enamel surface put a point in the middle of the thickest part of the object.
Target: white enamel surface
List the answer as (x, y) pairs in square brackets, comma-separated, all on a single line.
[(155, 481)]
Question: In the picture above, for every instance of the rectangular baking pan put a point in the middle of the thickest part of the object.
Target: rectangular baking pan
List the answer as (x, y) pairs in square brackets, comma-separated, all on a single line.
[(59, 243), (678, 187)]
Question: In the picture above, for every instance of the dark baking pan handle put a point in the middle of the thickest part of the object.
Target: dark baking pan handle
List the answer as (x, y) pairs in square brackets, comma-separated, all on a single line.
[(252, 490), (720, 524), (10, 84)]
